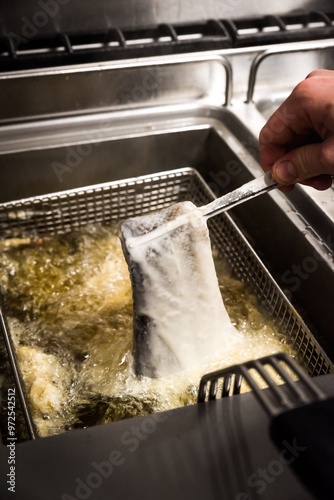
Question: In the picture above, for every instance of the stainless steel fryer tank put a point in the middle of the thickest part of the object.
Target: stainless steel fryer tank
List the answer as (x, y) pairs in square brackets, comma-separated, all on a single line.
[(57, 213), (173, 125), (70, 153)]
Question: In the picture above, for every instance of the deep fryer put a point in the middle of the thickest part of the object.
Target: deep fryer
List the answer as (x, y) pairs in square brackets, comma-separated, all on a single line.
[(143, 124)]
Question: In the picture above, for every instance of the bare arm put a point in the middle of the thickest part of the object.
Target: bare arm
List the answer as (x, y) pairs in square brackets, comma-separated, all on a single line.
[(297, 142)]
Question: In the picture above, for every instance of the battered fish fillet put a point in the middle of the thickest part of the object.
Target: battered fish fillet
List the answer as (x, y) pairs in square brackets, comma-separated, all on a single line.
[(47, 385), (179, 316)]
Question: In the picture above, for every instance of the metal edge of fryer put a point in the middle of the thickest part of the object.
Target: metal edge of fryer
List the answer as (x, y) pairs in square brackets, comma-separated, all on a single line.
[(31, 428)]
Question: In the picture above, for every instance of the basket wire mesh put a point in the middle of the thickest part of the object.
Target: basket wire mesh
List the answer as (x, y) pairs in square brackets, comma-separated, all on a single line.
[(106, 203)]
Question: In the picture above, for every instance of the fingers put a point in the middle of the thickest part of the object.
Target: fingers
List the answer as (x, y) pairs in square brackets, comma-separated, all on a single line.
[(297, 142), (306, 162), (321, 182), (285, 127)]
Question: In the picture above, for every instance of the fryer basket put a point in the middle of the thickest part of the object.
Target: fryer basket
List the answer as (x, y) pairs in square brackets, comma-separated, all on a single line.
[(108, 203)]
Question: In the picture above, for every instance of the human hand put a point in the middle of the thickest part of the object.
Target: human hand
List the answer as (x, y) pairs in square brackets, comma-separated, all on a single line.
[(297, 142)]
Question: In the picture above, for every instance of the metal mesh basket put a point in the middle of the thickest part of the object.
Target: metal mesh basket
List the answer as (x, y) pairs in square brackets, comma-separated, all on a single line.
[(106, 203)]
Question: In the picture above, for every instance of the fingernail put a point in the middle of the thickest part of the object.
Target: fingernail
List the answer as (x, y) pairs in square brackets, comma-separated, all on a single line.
[(286, 172)]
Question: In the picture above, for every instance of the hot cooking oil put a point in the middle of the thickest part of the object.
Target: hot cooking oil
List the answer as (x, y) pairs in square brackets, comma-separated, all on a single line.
[(69, 305)]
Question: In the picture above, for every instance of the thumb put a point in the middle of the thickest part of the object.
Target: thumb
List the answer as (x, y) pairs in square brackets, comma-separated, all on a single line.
[(304, 163)]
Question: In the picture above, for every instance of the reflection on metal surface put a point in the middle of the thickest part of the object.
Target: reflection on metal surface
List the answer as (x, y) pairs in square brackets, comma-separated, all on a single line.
[(77, 15), (104, 86), (287, 49)]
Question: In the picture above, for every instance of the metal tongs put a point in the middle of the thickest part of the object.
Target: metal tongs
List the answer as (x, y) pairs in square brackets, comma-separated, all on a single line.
[(250, 190)]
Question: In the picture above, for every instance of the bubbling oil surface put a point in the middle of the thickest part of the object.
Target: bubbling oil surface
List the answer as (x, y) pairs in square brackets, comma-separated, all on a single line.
[(69, 305)]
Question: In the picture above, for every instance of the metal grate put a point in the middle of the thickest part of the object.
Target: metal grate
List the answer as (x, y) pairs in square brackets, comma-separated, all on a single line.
[(16, 52), (249, 269), (106, 203), (19, 53), (299, 26), (70, 210)]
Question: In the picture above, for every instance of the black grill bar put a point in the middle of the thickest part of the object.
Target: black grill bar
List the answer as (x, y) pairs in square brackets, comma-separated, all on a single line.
[(119, 37), (301, 26), (170, 31), (19, 53), (66, 42), (9, 45)]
